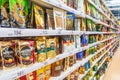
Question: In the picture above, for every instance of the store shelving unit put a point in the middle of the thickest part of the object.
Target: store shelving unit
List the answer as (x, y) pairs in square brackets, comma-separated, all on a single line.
[(79, 63), (14, 32), (53, 3), (82, 75), (17, 72)]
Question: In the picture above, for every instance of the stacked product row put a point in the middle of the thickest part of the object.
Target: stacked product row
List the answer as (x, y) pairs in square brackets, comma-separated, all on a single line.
[(26, 51), (21, 14), (55, 69)]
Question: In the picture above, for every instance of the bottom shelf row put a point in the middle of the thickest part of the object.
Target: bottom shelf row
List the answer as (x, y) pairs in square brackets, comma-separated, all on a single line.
[(90, 68)]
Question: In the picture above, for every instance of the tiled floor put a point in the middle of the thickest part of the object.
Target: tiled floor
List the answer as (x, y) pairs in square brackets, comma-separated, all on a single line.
[(113, 72)]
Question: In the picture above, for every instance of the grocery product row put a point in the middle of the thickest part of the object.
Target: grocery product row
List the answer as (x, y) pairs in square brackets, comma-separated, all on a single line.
[(32, 15), (25, 54)]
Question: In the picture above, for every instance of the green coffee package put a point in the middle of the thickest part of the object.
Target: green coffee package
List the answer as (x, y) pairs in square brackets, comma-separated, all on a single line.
[(89, 25), (18, 13), (5, 17)]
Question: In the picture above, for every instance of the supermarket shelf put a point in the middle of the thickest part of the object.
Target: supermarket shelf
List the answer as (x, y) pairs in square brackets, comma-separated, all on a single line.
[(90, 1), (56, 3), (99, 22), (96, 43), (96, 21), (98, 67), (74, 67), (110, 13), (15, 32), (92, 32), (101, 78), (82, 75), (17, 72)]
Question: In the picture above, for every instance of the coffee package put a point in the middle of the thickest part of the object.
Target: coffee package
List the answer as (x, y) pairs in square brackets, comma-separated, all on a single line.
[(70, 21), (5, 14), (50, 19), (39, 14), (47, 72), (59, 18), (31, 76), (56, 68), (41, 49), (40, 74), (51, 47), (18, 13), (26, 53), (7, 56)]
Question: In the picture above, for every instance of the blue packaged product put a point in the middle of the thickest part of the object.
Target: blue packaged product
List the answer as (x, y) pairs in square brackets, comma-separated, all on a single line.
[(80, 55), (87, 66), (70, 21)]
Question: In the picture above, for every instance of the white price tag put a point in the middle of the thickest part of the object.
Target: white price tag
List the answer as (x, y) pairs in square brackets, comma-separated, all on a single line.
[(17, 32), (45, 32), (45, 63), (59, 32), (57, 58), (21, 73), (59, 5)]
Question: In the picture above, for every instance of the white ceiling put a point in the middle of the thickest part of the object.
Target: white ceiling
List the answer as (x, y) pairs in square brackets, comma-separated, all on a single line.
[(114, 6)]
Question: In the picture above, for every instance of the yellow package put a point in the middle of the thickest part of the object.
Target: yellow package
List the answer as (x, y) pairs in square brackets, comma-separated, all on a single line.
[(82, 25), (41, 49), (40, 74), (51, 47), (47, 72), (39, 17)]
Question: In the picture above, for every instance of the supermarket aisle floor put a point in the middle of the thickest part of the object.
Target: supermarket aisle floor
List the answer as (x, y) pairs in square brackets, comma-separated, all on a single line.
[(113, 72)]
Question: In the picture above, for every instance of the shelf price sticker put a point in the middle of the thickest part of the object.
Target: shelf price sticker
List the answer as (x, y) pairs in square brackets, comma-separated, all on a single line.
[(21, 73), (45, 32), (17, 32), (45, 63), (59, 32), (57, 58), (48, 0)]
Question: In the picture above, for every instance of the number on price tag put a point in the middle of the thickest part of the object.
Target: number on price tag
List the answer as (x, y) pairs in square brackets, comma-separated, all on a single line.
[(59, 32), (17, 32), (45, 63), (20, 73), (44, 32), (57, 58), (60, 5)]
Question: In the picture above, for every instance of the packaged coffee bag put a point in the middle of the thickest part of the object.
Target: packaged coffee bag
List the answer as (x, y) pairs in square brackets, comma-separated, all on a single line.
[(50, 19), (5, 16), (41, 49), (51, 47), (25, 54), (39, 15), (18, 13), (7, 57)]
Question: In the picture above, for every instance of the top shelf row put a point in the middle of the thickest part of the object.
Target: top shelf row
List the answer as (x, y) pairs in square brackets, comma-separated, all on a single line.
[(75, 15), (78, 8)]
